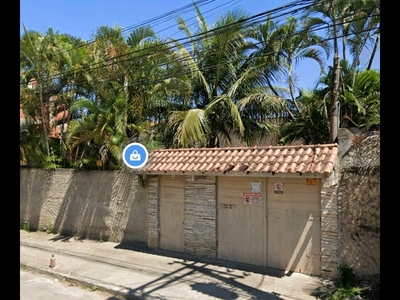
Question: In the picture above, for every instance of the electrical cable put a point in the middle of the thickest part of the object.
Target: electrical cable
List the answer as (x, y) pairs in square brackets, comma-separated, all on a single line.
[(93, 67), (199, 37), (218, 30)]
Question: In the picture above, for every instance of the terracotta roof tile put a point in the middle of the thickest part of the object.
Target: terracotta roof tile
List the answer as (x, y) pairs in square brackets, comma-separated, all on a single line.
[(297, 159)]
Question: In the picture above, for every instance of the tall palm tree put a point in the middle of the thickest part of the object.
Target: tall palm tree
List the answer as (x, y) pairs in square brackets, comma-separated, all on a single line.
[(277, 49), (96, 139), (359, 103), (329, 13), (363, 27), (212, 64), (123, 76), (352, 22), (45, 62), (297, 45), (148, 84)]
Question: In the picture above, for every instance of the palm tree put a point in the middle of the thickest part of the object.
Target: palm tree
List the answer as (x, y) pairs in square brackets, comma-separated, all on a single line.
[(276, 50), (148, 84), (45, 64), (36, 62), (311, 126), (363, 27), (362, 100), (298, 45), (330, 13), (123, 76), (96, 139), (212, 66), (359, 103), (357, 18)]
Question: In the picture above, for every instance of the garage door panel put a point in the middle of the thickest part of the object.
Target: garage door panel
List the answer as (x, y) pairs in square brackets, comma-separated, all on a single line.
[(241, 234), (294, 240)]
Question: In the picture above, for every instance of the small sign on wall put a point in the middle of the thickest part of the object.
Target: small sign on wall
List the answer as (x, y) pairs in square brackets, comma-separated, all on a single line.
[(252, 198), (311, 181), (278, 187), (255, 186)]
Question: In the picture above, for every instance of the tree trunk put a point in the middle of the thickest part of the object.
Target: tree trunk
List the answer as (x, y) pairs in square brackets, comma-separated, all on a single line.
[(335, 101), (373, 52), (44, 120), (334, 118)]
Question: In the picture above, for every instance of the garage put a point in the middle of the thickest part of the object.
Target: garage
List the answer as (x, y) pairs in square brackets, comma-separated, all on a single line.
[(265, 206), (294, 225), (241, 220), (272, 222)]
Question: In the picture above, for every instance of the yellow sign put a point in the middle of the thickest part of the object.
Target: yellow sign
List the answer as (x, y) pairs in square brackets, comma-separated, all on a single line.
[(311, 181)]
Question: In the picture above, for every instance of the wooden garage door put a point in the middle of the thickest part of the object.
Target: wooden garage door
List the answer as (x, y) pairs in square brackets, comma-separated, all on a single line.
[(172, 213), (294, 238), (241, 226)]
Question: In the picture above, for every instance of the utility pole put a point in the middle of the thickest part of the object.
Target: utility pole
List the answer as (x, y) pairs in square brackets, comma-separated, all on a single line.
[(334, 109), (335, 104)]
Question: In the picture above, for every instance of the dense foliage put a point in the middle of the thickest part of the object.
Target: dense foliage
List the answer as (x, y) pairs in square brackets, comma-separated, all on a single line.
[(221, 85)]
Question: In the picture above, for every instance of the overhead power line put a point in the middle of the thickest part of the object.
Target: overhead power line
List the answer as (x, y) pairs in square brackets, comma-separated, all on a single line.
[(249, 21)]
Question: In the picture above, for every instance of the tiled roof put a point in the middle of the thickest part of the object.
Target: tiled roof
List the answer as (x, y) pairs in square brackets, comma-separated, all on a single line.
[(273, 160)]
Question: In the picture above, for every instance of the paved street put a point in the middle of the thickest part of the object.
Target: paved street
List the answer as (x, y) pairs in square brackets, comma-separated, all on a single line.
[(37, 286)]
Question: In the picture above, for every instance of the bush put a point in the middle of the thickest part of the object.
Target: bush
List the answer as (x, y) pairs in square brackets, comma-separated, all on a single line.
[(346, 284), (346, 278)]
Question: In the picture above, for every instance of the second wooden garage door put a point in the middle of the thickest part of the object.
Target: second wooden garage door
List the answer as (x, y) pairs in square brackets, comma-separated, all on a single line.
[(241, 225)]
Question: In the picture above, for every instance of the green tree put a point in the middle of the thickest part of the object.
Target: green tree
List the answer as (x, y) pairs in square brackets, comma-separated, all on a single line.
[(298, 45), (311, 126), (95, 140), (276, 51), (97, 134), (342, 19), (122, 78), (329, 14), (359, 103), (211, 65), (45, 63), (361, 99)]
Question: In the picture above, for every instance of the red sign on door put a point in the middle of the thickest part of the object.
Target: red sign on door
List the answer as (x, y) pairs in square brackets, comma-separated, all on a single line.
[(252, 198), (278, 187)]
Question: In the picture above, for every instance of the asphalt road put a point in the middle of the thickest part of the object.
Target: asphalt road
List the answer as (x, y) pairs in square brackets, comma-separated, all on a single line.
[(37, 286)]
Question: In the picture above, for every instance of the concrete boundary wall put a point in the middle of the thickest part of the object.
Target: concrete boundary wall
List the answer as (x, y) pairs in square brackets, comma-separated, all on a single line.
[(97, 205)]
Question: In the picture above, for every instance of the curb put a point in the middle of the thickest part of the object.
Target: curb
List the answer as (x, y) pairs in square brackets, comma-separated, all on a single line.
[(81, 282)]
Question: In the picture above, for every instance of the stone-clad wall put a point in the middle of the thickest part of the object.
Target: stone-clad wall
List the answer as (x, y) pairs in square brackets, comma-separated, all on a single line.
[(359, 201), (152, 211), (200, 216), (329, 228)]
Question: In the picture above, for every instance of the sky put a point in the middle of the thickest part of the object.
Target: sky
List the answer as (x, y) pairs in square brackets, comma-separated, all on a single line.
[(82, 18)]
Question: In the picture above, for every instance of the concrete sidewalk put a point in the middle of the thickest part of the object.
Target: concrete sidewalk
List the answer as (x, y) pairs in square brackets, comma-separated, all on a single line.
[(159, 274)]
